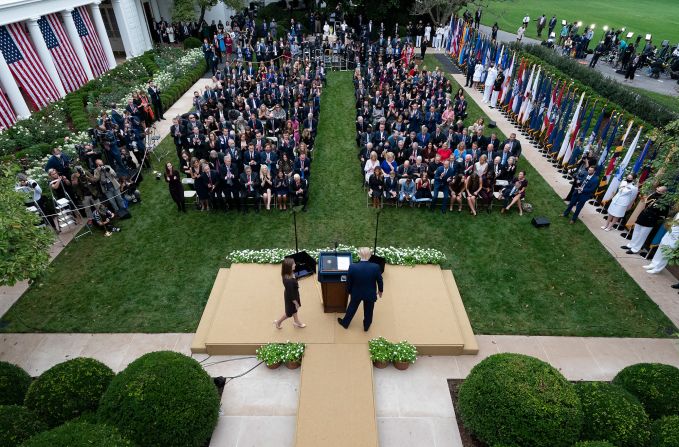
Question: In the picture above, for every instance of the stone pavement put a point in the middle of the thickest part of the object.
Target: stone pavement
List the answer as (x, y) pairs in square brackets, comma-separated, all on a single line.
[(664, 85), (656, 286), (413, 407)]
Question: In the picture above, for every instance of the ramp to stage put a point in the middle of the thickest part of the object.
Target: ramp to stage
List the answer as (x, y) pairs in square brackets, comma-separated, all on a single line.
[(421, 304), (336, 404)]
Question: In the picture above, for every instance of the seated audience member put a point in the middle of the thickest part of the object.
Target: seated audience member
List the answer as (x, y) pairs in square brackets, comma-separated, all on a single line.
[(514, 192), (481, 166), (510, 169), (407, 192), (442, 178), (388, 164), (207, 188), (376, 186), (249, 183), (302, 166), (228, 180), (423, 188), (514, 146), (391, 187), (370, 166), (457, 187), (281, 187), (265, 185), (299, 193), (486, 194)]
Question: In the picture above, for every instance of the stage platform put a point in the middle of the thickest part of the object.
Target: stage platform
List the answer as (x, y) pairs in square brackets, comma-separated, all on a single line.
[(421, 304)]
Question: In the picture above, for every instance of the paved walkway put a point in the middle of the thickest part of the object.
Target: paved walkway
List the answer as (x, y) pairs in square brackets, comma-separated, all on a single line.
[(665, 86), (656, 286)]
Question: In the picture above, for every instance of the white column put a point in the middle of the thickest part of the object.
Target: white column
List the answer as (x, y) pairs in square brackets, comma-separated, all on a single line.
[(123, 27), (9, 85), (44, 54), (77, 44), (103, 35), (156, 10), (143, 24)]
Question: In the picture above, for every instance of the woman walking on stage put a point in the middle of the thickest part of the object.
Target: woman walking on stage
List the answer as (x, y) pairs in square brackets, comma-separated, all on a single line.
[(291, 294)]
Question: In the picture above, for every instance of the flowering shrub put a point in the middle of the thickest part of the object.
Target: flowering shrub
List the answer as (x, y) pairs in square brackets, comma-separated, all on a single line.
[(293, 352), (393, 255), (380, 349), (403, 352), (271, 353)]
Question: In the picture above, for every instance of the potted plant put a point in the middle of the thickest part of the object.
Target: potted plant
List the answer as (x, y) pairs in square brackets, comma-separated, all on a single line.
[(271, 354), (403, 354), (380, 352), (293, 355)]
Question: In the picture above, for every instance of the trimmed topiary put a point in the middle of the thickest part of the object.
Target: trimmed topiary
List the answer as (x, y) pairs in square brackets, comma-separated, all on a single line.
[(14, 383), (514, 399), (162, 399), (79, 434), (593, 444), (665, 432), (655, 385), (69, 389), (192, 42), (17, 424), (612, 414)]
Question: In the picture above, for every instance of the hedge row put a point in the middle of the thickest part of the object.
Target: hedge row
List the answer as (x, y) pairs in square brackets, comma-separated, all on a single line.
[(182, 84), (517, 400), (596, 84)]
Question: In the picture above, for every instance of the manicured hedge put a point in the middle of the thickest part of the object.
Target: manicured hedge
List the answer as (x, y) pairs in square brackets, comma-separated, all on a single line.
[(655, 385), (14, 383), (162, 399), (665, 432), (639, 105), (192, 42), (593, 444), (79, 434), (68, 390), (17, 424), (514, 399), (612, 414)]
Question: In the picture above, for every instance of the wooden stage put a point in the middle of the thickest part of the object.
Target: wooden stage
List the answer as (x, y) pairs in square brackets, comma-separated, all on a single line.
[(336, 403), (420, 304)]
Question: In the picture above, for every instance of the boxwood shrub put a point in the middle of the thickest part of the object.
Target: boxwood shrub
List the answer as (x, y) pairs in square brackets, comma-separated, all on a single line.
[(593, 444), (17, 424), (192, 42), (655, 385), (612, 414), (665, 432), (68, 390), (514, 399), (162, 399), (79, 434), (14, 383)]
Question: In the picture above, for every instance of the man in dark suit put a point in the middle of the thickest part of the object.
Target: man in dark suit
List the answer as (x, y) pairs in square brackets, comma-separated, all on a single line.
[(249, 183), (154, 95), (514, 146), (585, 186), (364, 284), (178, 135), (228, 179), (441, 178)]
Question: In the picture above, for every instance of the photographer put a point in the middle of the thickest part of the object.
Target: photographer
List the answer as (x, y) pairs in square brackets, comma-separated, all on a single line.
[(102, 217), (108, 182), (59, 162), (86, 190), (88, 154)]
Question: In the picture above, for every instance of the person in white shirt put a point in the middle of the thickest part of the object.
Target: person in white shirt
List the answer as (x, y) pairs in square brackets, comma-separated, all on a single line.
[(446, 31), (490, 80), (520, 32), (427, 33), (526, 20), (438, 39), (621, 202), (668, 242)]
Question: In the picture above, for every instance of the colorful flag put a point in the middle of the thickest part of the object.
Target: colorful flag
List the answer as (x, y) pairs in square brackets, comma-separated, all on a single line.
[(95, 53), (68, 65), (25, 65), (640, 161), (569, 140), (7, 115)]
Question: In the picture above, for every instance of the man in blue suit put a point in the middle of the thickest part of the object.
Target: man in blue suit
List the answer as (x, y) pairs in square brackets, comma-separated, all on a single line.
[(364, 283), (442, 176), (585, 185)]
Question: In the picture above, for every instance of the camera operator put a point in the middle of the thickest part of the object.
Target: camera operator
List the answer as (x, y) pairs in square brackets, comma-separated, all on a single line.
[(88, 153), (102, 217), (33, 193), (59, 162), (86, 190), (109, 143), (108, 182)]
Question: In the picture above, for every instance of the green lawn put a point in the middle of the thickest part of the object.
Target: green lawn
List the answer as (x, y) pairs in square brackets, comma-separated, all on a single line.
[(657, 17), (666, 100), (156, 275)]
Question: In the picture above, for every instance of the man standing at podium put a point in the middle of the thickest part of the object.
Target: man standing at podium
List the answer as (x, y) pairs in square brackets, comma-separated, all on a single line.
[(364, 284)]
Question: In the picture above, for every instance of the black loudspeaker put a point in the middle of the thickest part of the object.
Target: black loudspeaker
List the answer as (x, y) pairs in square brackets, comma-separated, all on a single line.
[(492, 124), (379, 260), (540, 222), (305, 265)]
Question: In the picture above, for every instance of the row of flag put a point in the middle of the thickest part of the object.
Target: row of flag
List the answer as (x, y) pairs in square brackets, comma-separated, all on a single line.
[(553, 111), (30, 73)]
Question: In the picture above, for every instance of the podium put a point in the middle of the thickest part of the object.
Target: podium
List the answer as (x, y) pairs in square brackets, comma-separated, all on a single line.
[(332, 274)]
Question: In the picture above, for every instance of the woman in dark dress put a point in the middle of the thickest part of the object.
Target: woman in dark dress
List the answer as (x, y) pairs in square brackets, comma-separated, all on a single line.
[(291, 294), (176, 188)]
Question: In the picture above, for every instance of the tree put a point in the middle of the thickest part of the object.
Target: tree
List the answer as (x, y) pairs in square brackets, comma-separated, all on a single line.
[(24, 247), (185, 10), (440, 10)]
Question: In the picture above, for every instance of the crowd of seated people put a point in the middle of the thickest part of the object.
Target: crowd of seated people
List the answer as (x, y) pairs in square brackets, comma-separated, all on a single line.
[(415, 147), (250, 138)]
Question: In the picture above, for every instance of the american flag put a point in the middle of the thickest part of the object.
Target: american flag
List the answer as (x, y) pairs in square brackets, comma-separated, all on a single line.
[(93, 50), (68, 66), (25, 66), (7, 115)]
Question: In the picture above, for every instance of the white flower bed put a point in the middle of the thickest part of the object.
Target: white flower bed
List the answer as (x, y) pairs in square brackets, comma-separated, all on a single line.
[(393, 255)]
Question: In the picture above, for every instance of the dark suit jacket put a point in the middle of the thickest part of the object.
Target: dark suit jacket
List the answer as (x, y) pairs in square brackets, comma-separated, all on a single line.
[(515, 149), (364, 279)]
